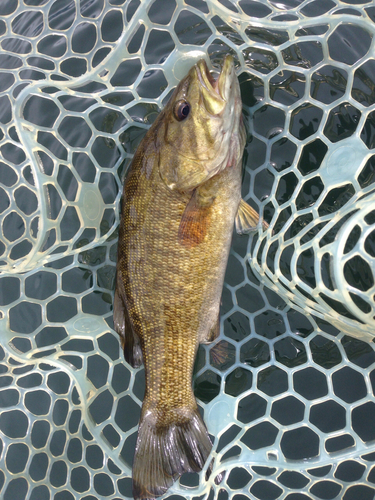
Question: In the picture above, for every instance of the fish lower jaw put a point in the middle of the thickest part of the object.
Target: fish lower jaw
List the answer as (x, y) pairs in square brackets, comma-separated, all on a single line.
[(232, 117)]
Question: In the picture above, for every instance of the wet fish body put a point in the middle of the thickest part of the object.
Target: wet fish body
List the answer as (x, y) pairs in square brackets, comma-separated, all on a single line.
[(181, 197)]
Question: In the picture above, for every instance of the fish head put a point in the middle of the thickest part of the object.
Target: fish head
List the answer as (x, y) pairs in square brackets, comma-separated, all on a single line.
[(203, 131)]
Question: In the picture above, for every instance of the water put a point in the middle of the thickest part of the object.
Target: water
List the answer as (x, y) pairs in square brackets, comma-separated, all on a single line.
[(286, 390)]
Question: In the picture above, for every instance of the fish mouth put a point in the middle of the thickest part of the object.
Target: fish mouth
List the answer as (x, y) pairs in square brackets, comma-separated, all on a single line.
[(216, 92)]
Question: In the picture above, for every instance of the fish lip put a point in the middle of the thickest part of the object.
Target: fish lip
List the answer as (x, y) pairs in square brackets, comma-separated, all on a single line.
[(204, 75), (207, 80), (226, 78), (221, 86)]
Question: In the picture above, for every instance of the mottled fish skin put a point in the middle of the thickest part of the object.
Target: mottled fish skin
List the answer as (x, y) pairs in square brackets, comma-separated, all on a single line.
[(181, 197)]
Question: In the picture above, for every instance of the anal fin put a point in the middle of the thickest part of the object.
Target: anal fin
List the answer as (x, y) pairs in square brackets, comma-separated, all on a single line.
[(247, 219), (129, 339), (213, 333)]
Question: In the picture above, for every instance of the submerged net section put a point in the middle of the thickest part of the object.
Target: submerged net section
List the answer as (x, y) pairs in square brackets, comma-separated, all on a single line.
[(287, 389)]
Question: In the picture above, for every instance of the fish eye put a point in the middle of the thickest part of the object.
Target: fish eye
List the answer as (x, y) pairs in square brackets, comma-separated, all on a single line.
[(182, 110)]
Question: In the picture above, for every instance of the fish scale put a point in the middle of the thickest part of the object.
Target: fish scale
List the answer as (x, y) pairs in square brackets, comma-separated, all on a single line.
[(175, 279)]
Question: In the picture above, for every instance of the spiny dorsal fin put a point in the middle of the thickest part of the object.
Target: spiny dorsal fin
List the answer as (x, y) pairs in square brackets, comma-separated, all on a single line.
[(247, 219)]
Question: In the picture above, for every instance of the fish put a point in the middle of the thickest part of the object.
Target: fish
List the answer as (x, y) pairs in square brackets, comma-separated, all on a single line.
[(181, 198)]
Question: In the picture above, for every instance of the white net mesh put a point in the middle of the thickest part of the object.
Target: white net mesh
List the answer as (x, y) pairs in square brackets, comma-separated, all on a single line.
[(287, 392)]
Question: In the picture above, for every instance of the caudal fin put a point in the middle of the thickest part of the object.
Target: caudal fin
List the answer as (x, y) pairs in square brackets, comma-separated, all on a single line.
[(162, 454)]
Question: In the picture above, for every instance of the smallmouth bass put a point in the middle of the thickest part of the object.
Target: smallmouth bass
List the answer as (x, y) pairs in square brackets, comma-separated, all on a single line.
[(181, 197)]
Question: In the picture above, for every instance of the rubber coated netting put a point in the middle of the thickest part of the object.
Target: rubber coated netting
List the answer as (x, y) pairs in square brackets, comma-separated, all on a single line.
[(287, 389)]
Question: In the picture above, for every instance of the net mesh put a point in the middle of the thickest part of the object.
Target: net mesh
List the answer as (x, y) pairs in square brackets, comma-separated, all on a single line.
[(287, 389)]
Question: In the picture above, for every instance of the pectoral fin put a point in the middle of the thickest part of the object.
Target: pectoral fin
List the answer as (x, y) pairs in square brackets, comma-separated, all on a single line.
[(195, 222), (247, 219)]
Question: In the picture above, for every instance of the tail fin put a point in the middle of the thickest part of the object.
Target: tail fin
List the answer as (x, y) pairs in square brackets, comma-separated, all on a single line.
[(162, 454)]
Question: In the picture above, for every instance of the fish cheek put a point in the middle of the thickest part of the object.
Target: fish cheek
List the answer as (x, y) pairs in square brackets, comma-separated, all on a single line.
[(196, 136), (185, 153), (180, 173)]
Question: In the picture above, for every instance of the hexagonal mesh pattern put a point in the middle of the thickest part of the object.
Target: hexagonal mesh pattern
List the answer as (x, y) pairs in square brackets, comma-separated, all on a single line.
[(287, 392)]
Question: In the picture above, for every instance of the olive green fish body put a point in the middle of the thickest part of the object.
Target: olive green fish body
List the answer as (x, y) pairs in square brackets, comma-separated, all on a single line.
[(181, 197), (173, 289)]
